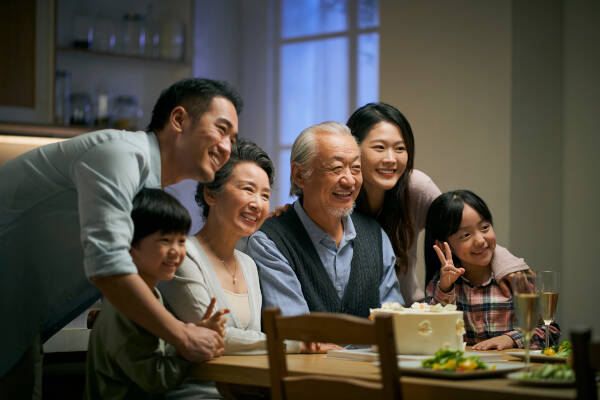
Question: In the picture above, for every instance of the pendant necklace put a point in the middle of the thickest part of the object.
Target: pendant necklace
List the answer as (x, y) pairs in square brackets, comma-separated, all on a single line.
[(235, 263), (235, 268)]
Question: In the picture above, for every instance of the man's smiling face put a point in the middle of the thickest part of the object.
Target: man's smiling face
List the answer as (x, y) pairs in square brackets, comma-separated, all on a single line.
[(206, 142), (333, 185)]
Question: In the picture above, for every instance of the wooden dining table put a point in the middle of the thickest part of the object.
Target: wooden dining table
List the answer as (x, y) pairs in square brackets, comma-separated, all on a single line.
[(253, 370)]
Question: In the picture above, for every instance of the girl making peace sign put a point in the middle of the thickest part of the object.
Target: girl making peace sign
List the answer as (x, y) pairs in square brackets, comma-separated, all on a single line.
[(459, 246)]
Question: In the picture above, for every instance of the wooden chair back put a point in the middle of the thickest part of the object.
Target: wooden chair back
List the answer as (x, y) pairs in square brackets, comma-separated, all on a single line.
[(586, 361), (330, 328)]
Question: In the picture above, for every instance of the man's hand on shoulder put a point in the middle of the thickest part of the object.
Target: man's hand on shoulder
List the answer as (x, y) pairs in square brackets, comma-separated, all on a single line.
[(279, 210)]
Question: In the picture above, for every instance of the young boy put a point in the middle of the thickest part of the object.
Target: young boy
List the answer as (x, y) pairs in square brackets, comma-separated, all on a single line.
[(124, 360)]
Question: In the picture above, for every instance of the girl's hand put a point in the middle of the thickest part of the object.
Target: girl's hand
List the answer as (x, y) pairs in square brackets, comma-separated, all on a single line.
[(215, 321), (279, 210), (316, 347), (448, 273), (498, 342)]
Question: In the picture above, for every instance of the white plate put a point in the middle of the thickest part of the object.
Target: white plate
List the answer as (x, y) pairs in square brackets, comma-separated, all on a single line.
[(536, 355), (368, 355), (516, 377), (414, 368)]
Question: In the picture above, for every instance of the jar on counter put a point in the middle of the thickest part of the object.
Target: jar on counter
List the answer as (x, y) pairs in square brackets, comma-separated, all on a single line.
[(127, 113), (101, 108), (81, 109)]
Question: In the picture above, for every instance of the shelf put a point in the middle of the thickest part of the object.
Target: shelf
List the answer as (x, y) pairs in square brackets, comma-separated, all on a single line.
[(73, 50)]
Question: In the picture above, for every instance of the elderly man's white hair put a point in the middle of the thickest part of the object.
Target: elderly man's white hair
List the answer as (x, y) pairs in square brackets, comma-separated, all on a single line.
[(304, 149)]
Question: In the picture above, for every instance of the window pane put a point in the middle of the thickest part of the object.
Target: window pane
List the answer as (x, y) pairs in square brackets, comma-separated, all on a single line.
[(368, 13), (310, 17), (283, 179), (368, 69), (313, 85)]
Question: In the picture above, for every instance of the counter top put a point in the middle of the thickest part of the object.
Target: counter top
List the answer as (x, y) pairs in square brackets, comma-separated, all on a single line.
[(16, 128)]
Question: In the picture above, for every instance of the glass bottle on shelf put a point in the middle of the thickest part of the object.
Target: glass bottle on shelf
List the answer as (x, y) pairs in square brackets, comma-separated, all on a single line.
[(128, 34), (152, 24), (133, 35), (153, 39), (142, 35), (62, 82), (83, 32), (105, 35)]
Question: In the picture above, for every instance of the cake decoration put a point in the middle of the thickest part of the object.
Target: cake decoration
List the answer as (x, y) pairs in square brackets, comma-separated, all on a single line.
[(423, 328)]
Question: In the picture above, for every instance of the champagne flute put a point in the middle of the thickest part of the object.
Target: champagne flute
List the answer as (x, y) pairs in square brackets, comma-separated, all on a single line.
[(526, 295), (548, 281)]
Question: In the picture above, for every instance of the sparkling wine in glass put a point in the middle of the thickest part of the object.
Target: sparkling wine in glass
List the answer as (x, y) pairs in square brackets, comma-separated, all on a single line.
[(527, 297), (548, 280)]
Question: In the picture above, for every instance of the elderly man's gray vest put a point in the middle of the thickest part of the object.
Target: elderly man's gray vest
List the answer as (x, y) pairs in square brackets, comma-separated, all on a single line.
[(362, 290)]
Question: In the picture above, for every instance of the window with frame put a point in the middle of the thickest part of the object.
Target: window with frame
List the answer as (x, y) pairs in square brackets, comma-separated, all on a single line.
[(327, 65)]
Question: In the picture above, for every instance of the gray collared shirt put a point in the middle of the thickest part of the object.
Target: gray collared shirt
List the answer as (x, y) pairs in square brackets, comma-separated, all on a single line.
[(64, 217), (279, 284)]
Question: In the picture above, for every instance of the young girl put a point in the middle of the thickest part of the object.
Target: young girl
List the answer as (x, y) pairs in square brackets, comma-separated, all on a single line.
[(459, 246), (398, 196)]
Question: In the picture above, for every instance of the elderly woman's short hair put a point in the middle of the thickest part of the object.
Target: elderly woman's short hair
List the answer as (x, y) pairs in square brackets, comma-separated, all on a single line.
[(242, 151)]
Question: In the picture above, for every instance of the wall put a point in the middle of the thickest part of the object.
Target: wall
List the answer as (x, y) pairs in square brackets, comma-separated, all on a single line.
[(217, 45), (536, 146), (257, 121), (581, 165), (446, 66), (537, 134), (502, 97)]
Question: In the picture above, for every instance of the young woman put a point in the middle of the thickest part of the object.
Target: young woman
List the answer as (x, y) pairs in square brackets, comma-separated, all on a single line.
[(399, 196), (235, 205), (463, 275)]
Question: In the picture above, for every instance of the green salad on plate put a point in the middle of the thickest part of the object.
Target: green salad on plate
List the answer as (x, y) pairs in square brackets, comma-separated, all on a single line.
[(453, 361), (551, 372)]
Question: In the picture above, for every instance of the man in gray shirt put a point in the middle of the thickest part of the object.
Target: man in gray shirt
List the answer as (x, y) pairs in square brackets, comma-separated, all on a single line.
[(318, 256), (65, 218)]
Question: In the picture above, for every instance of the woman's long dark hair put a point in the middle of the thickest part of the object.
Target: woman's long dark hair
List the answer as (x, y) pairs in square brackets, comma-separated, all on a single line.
[(443, 220), (394, 217)]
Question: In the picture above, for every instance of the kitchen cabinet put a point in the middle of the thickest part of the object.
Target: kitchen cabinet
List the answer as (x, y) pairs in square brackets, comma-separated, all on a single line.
[(26, 60), (102, 72), (29, 94)]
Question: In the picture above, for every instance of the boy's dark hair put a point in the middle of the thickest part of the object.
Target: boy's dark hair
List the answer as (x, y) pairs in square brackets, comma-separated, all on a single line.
[(395, 216), (242, 151), (443, 220), (157, 211), (195, 95)]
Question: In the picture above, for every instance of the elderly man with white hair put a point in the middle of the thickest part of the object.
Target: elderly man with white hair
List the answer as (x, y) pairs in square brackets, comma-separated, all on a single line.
[(319, 255)]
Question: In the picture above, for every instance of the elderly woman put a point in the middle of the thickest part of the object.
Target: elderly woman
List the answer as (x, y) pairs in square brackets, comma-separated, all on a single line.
[(235, 205)]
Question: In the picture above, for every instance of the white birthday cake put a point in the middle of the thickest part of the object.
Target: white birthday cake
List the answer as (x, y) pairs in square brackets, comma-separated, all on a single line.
[(424, 328)]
